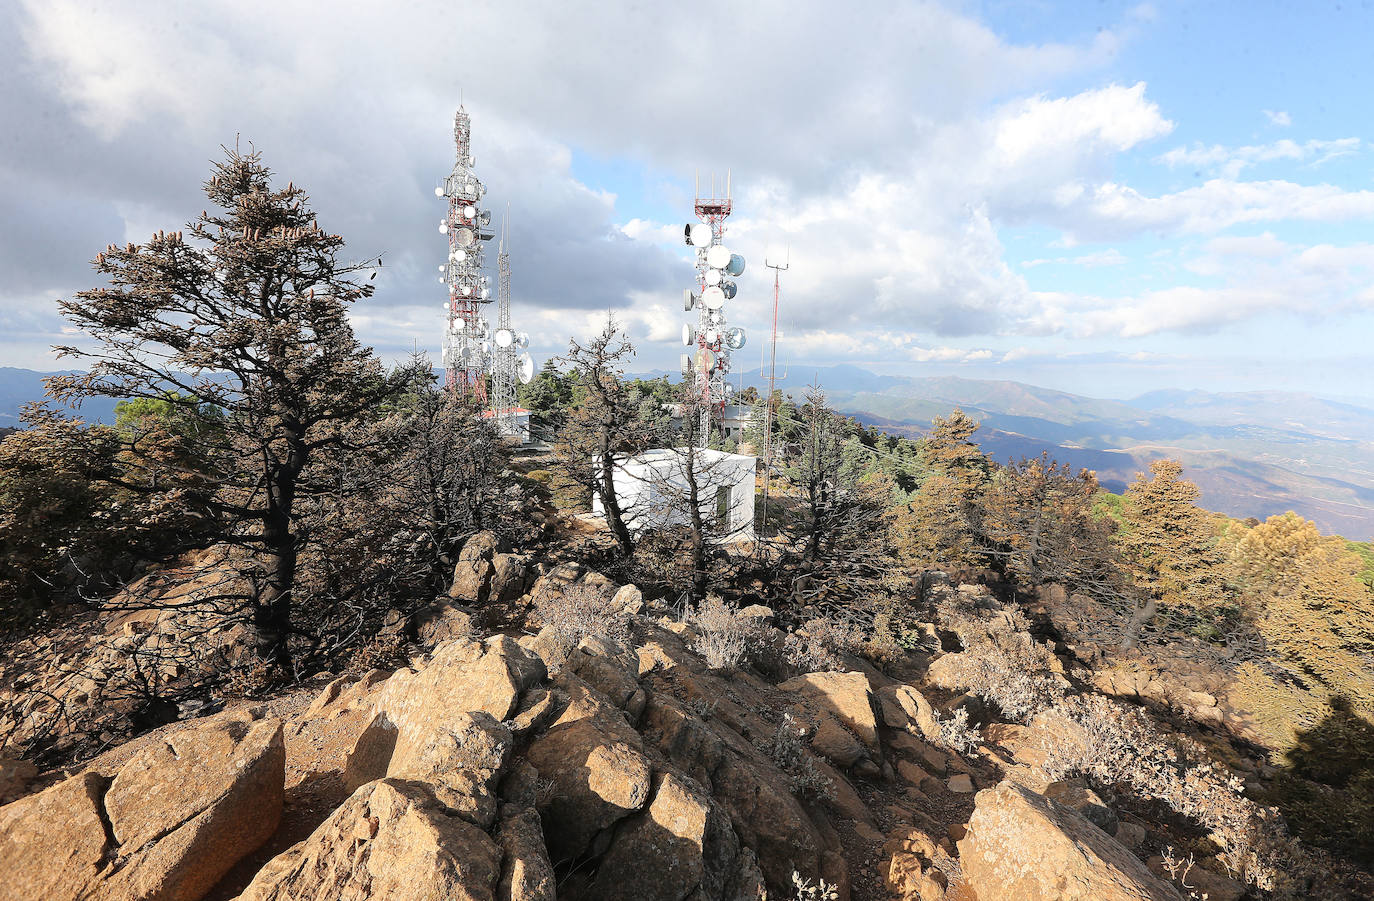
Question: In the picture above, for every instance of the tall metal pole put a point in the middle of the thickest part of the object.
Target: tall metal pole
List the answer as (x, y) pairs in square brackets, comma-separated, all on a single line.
[(778, 269)]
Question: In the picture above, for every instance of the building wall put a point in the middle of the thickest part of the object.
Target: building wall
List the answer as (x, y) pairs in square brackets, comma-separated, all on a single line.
[(646, 486)]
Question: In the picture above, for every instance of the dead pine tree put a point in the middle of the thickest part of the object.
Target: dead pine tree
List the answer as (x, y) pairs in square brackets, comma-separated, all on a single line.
[(688, 487), (245, 312), (605, 427)]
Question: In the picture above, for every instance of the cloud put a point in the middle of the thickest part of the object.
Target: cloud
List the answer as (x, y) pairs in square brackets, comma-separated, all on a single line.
[(1278, 118), (893, 173), (1230, 161), (1109, 257), (1258, 275)]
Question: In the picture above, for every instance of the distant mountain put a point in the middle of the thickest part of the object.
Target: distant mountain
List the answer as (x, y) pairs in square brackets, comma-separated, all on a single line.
[(22, 386), (1252, 454)]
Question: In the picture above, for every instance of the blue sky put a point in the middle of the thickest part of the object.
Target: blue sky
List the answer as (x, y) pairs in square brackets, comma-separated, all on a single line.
[(1105, 198)]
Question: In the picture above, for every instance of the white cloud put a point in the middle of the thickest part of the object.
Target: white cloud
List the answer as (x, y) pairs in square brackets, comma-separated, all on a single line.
[(1230, 161), (1109, 257), (1278, 118)]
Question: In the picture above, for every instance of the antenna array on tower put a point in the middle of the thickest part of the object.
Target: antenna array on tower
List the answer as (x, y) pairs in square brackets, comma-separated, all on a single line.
[(717, 267), (471, 350)]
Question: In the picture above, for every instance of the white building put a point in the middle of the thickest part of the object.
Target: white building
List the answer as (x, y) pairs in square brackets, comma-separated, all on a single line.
[(651, 487)]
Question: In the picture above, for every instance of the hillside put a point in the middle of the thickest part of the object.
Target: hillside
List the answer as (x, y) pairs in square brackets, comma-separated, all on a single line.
[(1252, 454)]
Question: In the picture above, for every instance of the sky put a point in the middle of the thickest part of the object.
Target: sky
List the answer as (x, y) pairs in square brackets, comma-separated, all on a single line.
[(1104, 198)]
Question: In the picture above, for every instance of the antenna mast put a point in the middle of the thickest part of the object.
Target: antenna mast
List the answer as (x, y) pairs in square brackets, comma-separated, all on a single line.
[(505, 364), (778, 269), (466, 349), (716, 267)]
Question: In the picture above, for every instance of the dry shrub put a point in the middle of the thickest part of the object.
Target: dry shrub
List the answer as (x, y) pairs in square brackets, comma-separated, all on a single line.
[(579, 611), (818, 644), (1117, 744), (723, 636), (956, 733), (1002, 663)]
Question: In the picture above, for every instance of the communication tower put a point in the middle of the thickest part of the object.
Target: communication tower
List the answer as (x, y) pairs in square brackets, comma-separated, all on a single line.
[(708, 364), (467, 345), (510, 361)]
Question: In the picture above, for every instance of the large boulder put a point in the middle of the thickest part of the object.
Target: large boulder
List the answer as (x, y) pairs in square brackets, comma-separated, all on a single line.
[(846, 696), (599, 775), (473, 572), (681, 842), (219, 788), (391, 839), (177, 816), (1021, 846), (463, 677), (507, 577), (53, 843), (461, 763)]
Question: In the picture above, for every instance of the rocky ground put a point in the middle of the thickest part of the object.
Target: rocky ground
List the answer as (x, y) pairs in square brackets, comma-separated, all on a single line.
[(517, 767)]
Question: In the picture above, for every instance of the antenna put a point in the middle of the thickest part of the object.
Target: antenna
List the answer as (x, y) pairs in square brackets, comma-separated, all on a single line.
[(466, 352), (716, 267), (778, 269)]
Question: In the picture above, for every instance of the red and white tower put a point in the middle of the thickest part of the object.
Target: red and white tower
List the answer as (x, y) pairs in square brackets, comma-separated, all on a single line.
[(467, 346), (717, 267)]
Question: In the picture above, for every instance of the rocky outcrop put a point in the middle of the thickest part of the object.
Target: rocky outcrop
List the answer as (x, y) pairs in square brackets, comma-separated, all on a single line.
[(392, 839), (54, 843), (172, 821), (1021, 846), (846, 697), (472, 574), (681, 842)]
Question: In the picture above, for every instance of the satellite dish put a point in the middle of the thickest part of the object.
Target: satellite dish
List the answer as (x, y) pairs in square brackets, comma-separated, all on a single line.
[(717, 257), (459, 256), (698, 234), (729, 389), (729, 288), (689, 334), (712, 336), (734, 338), (467, 290), (526, 372), (459, 325), (486, 347), (442, 279), (522, 340), (689, 299), (706, 359), (469, 212), (464, 237), (442, 267), (438, 192), (504, 337), (735, 266), (486, 292), (712, 276), (686, 364), (443, 227), (486, 217), (713, 298)]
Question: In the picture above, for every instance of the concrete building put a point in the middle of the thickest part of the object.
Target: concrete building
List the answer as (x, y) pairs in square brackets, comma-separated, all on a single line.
[(651, 487)]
